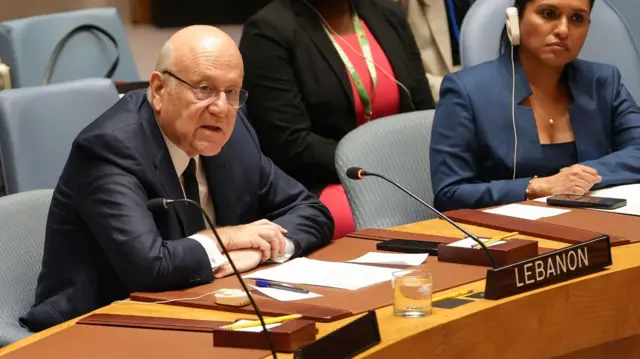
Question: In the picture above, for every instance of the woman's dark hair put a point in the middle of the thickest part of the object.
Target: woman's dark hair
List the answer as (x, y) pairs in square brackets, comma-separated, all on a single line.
[(520, 5)]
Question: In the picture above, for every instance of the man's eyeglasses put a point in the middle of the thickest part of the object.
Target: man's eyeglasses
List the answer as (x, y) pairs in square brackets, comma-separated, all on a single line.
[(236, 97)]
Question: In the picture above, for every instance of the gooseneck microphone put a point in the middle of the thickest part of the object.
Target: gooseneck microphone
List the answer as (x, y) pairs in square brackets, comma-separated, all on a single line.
[(159, 204), (357, 173)]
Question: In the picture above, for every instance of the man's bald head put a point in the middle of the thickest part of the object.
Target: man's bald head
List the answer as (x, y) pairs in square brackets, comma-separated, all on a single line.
[(197, 88), (192, 40)]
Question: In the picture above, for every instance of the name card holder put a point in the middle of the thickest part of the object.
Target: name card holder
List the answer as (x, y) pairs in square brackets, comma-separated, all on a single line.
[(512, 251), (346, 342), (286, 337), (527, 227), (549, 268)]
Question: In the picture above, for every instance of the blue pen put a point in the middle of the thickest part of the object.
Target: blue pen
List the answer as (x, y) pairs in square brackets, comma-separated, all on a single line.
[(267, 284)]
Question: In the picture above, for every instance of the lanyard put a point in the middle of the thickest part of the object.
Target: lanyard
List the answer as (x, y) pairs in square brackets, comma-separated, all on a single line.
[(366, 51)]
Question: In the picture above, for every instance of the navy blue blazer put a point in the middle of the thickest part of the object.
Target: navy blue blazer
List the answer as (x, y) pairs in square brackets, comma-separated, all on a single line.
[(472, 140), (101, 241)]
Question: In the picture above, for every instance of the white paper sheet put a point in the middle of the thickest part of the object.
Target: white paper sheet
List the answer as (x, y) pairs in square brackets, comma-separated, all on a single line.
[(526, 212), (409, 259), (630, 192), (468, 243), (257, 328), (285, 295), (349, 276)]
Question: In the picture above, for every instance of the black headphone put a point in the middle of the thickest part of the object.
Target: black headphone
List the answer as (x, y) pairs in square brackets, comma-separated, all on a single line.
[(5, 70), (55, 54)]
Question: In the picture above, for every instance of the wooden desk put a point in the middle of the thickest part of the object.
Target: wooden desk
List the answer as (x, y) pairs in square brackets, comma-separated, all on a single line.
[(591, 317)]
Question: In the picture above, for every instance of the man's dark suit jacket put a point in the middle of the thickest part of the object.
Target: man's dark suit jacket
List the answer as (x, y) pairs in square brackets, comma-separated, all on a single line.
[(103, 243), (302, 99)]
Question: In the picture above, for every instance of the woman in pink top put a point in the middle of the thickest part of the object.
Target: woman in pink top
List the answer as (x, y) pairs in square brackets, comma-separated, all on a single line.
[(317, 69)]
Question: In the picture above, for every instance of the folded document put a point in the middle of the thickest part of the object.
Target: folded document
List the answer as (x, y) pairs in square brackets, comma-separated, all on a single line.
[(325, 274), (526, 211), (409, 259)]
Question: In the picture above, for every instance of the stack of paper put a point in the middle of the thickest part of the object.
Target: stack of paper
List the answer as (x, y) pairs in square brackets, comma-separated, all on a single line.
[(468, 243), (630, 192), (526, 212), (284, 295), (326, 274), (257, 328), (409, 259)]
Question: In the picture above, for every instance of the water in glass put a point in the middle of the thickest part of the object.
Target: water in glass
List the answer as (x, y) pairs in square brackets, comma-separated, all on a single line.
[(412, 293)]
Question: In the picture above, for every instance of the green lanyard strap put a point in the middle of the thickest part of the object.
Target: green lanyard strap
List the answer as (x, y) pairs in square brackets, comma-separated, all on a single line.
[(366, 51)]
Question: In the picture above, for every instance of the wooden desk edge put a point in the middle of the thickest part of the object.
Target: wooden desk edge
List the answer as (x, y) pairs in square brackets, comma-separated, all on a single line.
[(434, 226)]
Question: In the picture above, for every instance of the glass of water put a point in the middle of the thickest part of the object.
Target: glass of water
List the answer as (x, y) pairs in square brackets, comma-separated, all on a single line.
[(412, 293)]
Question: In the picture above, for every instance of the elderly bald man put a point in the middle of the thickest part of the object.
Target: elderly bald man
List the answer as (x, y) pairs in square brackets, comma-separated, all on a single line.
[(183, 138)]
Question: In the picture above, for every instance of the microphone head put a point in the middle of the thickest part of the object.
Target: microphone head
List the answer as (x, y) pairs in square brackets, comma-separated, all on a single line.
[(355, 173), (157, 204)]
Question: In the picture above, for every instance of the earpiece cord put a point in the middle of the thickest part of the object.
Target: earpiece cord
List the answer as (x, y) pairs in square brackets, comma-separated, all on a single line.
[(513, 31)]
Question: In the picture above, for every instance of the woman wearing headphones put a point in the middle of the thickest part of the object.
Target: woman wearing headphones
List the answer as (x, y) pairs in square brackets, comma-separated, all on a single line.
[(316, 69), (536, 121)]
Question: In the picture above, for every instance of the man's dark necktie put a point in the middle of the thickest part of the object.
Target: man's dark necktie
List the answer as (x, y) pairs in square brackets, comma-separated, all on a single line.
[(195, 222)]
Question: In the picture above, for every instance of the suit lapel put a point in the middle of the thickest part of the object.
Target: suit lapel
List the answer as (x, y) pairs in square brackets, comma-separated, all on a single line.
[(312, 25), (529, 148), (581, 110), (165, 171), (437, 20), (219, 178)]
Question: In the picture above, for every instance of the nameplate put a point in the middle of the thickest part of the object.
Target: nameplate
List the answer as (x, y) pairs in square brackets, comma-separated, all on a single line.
[(550, 268), (346, 342)]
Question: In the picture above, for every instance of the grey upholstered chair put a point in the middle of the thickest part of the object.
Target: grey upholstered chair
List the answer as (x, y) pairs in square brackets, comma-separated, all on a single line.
[(629, 10), (609, 39), (26, 45), (23, 218), (38, 126), (397, 147)]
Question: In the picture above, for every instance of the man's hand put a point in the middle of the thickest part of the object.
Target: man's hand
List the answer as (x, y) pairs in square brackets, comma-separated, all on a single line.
[(576, 180), (263, 235), (247, 235), (244, 259)]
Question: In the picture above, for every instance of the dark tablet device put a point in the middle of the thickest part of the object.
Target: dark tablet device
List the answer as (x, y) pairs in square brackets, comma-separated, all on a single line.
[(409, 246), (565, 200)]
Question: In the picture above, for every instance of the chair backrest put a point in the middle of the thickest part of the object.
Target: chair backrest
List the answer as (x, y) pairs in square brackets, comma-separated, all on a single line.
[(629, 10), (609, 40), (397, 147), (38, 126), (26, 45), (23, 218)]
